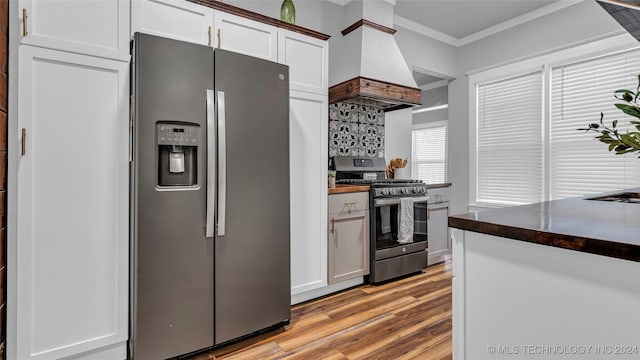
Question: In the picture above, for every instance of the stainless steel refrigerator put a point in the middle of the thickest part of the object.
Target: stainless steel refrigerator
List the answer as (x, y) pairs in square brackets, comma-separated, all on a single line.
[(210, 197)]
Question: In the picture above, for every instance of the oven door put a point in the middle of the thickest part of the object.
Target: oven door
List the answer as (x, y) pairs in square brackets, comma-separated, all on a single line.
[(397, 223)]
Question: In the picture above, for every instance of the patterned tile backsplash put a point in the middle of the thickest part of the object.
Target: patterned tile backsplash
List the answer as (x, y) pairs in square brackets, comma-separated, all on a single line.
[(356, 130)]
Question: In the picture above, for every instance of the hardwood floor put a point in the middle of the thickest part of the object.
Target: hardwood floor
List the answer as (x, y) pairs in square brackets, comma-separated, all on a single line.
[(405, 319)]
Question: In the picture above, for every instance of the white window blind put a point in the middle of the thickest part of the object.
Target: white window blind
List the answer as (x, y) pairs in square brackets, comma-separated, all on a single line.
[(428, 149), (509, 140), (578, 163)]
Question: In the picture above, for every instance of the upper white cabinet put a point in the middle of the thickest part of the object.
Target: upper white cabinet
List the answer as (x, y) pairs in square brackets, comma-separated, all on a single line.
[(71, 267), (307, 58), (99, 28), (246, 36), (174, 19)]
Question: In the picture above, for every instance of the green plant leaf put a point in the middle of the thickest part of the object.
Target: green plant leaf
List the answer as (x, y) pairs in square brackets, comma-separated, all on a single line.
[(629, 110)]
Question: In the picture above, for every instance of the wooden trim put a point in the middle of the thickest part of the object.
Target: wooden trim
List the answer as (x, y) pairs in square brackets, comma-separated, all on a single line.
[(219, 5), (388, 93), (368, 23), (629, 4)]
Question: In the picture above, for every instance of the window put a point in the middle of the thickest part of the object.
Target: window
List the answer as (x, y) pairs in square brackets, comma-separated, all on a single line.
[(579, 164), (509, 143), (428, 152), (528, 149)]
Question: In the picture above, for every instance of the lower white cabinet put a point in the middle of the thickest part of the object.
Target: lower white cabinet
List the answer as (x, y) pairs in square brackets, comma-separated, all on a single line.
[(70, 273), (437, 225), (308, 132), (348, 236)]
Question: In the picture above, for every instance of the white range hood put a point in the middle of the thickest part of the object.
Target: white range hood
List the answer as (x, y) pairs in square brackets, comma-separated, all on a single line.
[(373, 71)]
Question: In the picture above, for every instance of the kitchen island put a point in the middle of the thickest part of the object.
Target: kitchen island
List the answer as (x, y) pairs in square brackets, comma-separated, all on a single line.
[(553, 280)]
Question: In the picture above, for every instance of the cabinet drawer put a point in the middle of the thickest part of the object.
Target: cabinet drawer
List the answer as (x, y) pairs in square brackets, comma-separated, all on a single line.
[(350, 202), (438, 195)]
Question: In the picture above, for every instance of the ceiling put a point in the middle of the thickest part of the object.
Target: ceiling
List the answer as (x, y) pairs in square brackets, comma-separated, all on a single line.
[(471, 16), (473, 20)]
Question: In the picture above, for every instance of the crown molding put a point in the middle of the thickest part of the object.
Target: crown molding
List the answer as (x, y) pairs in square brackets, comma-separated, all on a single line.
[(340, 2), (434, 85), (424, 30), (518, 20), (492, 30)]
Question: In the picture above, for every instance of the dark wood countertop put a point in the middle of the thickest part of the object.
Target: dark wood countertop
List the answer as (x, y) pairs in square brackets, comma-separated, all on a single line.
[(435, 186), (344, 188), (598, 227)]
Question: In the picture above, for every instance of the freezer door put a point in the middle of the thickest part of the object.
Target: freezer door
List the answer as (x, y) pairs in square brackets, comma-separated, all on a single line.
[(172, 260), (252, 280)]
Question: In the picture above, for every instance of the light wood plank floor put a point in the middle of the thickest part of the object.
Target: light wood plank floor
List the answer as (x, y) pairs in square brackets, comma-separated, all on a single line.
[(405, 319)]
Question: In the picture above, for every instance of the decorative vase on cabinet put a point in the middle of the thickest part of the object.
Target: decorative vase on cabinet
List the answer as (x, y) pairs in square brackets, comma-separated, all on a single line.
[(288, 12)]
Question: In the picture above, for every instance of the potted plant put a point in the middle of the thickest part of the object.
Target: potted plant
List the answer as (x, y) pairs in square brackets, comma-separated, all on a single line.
[(332, 178), (621, 143)]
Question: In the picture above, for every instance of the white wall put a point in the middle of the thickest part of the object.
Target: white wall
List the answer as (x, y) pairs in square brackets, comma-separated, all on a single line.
[(397, 135), (570, 26)]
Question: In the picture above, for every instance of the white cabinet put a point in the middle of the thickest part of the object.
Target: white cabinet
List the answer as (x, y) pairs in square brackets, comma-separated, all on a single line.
[(174, 19), (246, 36), (437, 224), (71, 268), (99, 28), (308, 131), (307, 58), (348, 236)]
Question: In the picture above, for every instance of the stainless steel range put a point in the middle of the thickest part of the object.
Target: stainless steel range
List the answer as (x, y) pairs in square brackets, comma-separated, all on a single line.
[(398, 217)]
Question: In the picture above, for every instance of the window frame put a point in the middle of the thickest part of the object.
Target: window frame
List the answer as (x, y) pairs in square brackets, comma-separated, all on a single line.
[(434, 124), (541, 61)]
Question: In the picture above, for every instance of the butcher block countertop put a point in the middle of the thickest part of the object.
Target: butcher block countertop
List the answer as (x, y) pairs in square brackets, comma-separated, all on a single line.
[(435, 186), (345, 188), (598, 227)]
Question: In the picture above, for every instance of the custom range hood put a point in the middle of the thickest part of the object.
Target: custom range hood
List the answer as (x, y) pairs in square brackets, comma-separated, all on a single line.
[(627, 13), (372, 69)]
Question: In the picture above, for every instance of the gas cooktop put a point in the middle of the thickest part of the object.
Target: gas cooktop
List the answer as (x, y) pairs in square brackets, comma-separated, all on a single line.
[(378, 181)]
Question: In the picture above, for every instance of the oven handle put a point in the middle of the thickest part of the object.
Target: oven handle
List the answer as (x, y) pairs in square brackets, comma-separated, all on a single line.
[(396, 201)]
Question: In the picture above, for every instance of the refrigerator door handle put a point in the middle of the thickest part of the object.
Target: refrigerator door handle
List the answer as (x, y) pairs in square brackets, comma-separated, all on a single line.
[(222, 164), (211, 164)]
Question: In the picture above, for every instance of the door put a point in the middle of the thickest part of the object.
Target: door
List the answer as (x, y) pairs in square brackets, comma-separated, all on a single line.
[(308, 128), (348, 245), (98, 28), (439, 241), (180, 20), (308, 60), (172, 271), (72, 206), (252, 286), (246, 36)]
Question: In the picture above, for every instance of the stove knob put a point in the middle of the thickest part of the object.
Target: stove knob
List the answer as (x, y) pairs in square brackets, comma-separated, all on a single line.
[(385, 191)]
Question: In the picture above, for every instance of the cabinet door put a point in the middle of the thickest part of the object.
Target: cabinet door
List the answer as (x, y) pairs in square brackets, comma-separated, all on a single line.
[(72, 207), (307, 59), (174, 19), (438, 230), (348, 245), (308, 129), (246, 36), (99, 28)]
